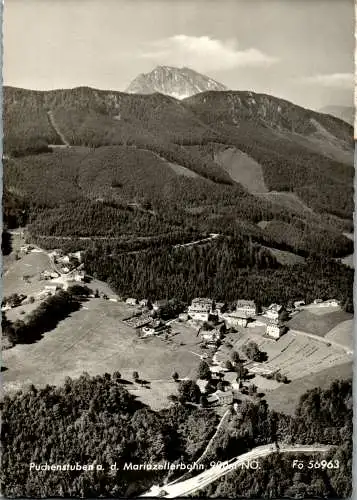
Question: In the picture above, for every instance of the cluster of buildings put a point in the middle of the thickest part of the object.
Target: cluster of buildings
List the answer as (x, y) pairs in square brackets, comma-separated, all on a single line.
[(64, 282), (138, 321), (147, 324), (25, 249), (211, 337), (135, 302), (205, 310), (245, 312)]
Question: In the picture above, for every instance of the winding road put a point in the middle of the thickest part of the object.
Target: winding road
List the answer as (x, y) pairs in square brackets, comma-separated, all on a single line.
[(190, 486)]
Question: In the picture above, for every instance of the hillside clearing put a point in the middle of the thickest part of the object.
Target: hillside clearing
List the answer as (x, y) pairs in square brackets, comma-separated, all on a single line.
[(285, 258), (288, 200), (342, 333), (30, 266), (318, 324), (243, 169), (180, 170), (292, 354), (286, 397)]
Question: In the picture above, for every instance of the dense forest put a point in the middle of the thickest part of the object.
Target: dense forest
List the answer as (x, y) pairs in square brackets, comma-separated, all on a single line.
[(225, 269), (94, 420), (129, 193)]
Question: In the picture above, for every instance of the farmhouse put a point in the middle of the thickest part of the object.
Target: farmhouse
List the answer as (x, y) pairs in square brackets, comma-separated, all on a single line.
[(52, 289), (79, 276), (235, 319), (224, 397), (247, 307), (202, 384), (159, 304), (330, 302), (143, 303), (212, 398), (131, 302), (77, 255), (211, 336), (26, 248), (46, 275), (217, 370), (273, 311), (299, 303), (274, 330), (200, 309), (220, 309), (154, 328)]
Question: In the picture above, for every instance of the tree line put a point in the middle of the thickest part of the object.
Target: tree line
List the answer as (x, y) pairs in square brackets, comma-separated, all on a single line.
[(45, 317)]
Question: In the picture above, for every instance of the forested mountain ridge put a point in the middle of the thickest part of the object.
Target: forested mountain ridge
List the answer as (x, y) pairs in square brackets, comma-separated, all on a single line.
[(147, 162), (299, 150)]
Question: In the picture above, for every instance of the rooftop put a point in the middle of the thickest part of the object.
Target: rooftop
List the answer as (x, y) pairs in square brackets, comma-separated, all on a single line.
[(200, 300), (245, 303)]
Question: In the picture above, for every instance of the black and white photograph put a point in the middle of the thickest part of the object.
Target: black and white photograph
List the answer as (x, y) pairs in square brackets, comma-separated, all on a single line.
[(177, 249)]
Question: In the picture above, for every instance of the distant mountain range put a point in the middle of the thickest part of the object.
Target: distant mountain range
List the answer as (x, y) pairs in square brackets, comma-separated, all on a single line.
[(346, 113), (175, 82)]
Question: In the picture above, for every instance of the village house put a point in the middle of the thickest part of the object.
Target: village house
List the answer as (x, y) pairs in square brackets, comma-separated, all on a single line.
[(211, 336), (202, 384), (79, 276), (77, 255), (274, 329), (200, 309), (217, 371), (159, 304), (224, 397), (26, 249), (143, 303), (273, 311), (330, 303), (156, 327), (235, 319), (46, 275), (219, 309), (299, 303), (183, 317), (53, 288), (131, 301), (212, 399), (247, 307), (318, 301)]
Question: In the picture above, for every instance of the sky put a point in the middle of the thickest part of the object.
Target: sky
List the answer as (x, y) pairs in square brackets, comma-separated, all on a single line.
[(300, 50)]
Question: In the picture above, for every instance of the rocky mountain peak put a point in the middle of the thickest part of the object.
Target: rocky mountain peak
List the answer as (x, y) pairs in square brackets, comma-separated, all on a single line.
[(176, 82)]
